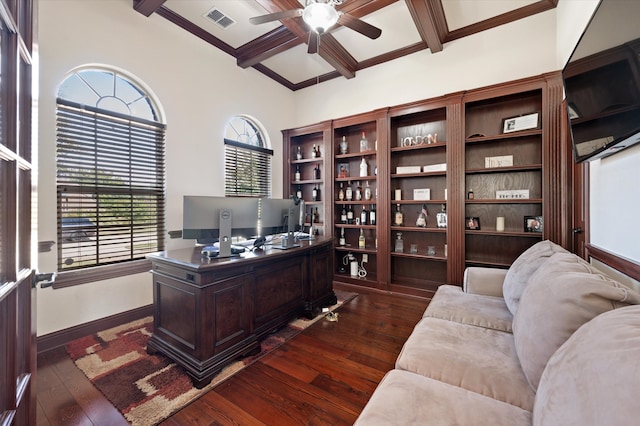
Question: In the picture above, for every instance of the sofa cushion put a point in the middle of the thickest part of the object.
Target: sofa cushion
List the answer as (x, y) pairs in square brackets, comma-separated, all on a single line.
[(483, 280), (593, 378), (478, 359), (561, 295), (522, 268), (452, 304), (403, 398)]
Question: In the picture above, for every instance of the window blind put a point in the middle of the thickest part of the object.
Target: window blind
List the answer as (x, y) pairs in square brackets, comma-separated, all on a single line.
[(110, 186), (247, 170)]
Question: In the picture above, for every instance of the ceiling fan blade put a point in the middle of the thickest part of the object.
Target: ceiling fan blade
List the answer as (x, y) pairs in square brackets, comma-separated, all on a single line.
[(291, 13), (314, 42), (359, 26)]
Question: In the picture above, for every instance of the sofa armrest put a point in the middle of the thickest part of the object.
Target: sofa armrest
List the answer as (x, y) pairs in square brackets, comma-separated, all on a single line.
[(485, 281)]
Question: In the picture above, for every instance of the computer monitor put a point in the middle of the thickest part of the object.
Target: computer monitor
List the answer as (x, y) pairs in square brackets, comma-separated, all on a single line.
[(208, 219), (282, 215)]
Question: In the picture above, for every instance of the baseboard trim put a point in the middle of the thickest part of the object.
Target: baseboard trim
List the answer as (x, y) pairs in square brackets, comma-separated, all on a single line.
[(62, 337)]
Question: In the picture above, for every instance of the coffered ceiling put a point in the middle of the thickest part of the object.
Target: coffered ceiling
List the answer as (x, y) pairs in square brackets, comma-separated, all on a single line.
[(279, 49)]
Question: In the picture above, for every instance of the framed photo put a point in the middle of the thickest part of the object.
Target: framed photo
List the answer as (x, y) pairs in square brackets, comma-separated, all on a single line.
[(441, 219), (343, 170), (523, 122), (572, 110), (472, 223), (533, 224)]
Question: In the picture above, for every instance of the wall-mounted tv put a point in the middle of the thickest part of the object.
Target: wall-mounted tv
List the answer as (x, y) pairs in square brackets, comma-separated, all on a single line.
[(602, 82)]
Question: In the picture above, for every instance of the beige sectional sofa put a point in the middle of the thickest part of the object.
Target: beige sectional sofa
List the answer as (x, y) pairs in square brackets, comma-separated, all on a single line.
[(550, 341)]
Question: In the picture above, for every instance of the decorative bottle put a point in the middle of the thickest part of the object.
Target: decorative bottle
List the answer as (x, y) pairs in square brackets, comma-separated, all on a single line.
[(314, 153), (341, 193), (364, 143), (343, 215), (358, 195), (299, 153), (399, 247), (297, 176), (364, 214), (348, 194), (299, 192), (364, 168), (372, 215), (349, 215), (316, 215), (314, 193), (343, 240), (316, 172), (367, 192), (470, 194), (421, 221), (398, 218), (361, 240), (344, 146)]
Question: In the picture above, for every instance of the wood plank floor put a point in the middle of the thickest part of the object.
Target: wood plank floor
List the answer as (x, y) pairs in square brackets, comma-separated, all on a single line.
[(323, 376)]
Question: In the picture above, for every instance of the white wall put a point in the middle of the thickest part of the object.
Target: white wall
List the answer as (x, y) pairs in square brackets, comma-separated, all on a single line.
[(572, 18), (199, 88), (614, 203)]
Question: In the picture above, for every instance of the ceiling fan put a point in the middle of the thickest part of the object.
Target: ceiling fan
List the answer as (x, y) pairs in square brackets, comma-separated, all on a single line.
[(320, 15)]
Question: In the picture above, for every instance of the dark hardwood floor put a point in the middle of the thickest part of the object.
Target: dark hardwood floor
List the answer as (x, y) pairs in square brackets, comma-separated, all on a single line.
[(325, 375)]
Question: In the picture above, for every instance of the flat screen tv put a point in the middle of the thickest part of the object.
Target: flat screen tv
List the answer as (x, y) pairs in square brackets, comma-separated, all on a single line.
[(602, 82)]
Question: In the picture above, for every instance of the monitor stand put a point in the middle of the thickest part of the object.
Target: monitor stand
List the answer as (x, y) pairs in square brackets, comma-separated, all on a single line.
[(288, 242), (226, 216)]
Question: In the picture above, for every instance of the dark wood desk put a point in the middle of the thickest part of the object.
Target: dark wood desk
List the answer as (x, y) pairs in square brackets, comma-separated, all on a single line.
[(208, 312)]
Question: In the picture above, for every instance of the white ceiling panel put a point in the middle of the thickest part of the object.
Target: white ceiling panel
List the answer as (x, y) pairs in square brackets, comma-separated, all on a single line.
[(393, 36), (297, 65), (461, 13), (240, 11)]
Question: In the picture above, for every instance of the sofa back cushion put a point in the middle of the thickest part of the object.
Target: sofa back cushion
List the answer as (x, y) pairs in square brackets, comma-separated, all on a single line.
[(592, 379), (522, 268), (563, 294)]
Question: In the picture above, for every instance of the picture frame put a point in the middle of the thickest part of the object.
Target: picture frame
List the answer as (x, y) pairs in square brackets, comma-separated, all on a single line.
[(573, 111), (342, 170), (533, 224), (472, 223), (522, 122)]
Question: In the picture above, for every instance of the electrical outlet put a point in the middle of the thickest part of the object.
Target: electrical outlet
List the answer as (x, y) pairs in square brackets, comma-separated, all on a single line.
[(365, 257)]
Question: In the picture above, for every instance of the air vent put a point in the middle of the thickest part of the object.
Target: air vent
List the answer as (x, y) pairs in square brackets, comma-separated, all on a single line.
[(220, 18)]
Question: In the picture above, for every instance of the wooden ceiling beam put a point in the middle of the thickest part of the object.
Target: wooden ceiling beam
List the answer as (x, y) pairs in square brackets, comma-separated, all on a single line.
[(266, 46), (360, 8), (330, 50), (428, 16), (337, 56), (147, 7)]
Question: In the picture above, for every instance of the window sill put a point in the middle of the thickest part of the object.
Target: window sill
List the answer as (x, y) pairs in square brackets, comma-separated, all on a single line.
[(99, 273)]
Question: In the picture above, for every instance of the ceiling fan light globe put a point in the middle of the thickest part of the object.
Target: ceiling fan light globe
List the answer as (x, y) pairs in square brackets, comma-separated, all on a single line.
[(320, 16)]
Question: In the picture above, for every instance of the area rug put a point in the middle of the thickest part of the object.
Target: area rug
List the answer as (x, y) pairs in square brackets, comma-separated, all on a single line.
[(147, 389)]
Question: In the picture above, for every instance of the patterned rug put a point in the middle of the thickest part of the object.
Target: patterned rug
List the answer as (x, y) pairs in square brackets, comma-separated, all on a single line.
[(147, 389)]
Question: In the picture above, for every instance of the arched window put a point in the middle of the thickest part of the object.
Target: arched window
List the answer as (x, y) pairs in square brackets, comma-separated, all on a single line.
[(110, 170), (247, 159)]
